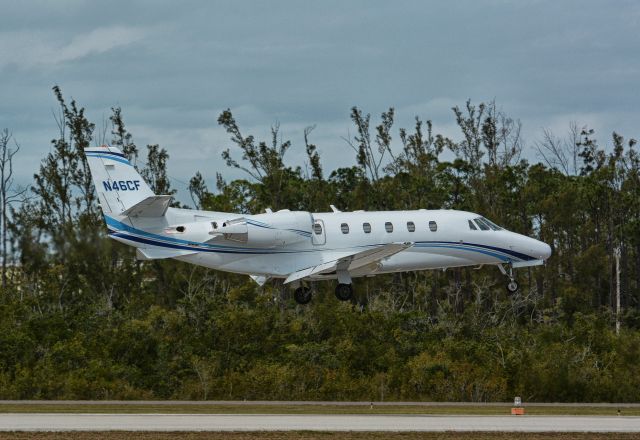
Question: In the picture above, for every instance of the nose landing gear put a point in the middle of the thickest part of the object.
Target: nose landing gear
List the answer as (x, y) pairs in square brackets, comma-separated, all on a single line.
[(512, 285)]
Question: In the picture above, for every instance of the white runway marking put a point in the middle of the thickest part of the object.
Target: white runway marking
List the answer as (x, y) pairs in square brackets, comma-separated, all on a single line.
[(272, 422)]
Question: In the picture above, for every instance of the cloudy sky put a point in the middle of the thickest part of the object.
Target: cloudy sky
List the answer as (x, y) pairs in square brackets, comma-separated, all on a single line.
[(173, 66)]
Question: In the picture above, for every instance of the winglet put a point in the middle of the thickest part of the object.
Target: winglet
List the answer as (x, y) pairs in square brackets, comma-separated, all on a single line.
[(260, 279)]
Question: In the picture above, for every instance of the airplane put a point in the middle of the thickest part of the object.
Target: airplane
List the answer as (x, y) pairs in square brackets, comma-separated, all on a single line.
[(299, 246)]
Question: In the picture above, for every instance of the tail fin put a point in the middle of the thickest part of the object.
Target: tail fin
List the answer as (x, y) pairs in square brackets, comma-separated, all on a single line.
[(119, 186)]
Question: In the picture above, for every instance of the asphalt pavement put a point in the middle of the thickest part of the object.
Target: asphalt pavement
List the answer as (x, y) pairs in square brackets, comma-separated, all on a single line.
[(275, 422)]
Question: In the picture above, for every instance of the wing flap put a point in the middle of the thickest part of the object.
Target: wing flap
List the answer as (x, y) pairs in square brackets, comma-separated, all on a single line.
[(351, 262), (324, 267)]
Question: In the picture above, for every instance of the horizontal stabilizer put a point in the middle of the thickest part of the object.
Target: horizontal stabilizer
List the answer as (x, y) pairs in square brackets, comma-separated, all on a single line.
[(154, 206), (351, 262), (160, 253)]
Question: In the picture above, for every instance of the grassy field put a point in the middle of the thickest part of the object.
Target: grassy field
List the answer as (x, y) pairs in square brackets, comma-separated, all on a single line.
[(309, 409), (305, 435)]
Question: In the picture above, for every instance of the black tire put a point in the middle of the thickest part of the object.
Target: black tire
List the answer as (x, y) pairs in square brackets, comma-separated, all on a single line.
[(512, 286), (302, 295), (344, 292)]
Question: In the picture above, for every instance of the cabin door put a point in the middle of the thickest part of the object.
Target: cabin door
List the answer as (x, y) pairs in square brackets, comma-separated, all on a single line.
[(318, 234)]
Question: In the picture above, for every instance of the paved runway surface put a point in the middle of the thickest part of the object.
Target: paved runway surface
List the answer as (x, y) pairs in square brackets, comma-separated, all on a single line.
[(244, 422)]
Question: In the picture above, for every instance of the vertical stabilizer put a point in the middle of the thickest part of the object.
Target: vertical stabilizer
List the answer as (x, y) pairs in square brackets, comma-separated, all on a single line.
[(118, 184)]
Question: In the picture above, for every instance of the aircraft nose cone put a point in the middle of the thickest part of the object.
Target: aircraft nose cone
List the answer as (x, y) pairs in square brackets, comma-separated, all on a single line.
[(541, 250), (547, 251)]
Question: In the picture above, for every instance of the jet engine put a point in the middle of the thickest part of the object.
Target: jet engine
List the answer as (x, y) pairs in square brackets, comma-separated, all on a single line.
[(266, 231)]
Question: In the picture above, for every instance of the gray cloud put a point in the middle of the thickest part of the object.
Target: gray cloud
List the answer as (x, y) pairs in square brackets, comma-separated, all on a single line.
[(36, 49), (173, 66)]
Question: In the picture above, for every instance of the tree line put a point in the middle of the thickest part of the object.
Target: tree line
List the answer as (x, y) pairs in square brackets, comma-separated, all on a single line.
[(81, 318)]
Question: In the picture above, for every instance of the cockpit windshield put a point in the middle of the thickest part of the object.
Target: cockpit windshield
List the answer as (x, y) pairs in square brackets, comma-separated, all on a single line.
[(484, 224), (492, 225)]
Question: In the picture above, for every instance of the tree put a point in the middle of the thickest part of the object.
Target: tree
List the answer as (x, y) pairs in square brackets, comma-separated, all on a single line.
[(266, 165), (8, 195), (121, 138), (198, 190), (155, 170), (85, 320)]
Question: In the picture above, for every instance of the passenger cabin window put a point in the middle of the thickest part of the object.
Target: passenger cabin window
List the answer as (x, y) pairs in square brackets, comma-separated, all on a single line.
[(344, 228), (411, 227), (433, 226), (388, 226), (366, 227), (317, 228), (472, 226)]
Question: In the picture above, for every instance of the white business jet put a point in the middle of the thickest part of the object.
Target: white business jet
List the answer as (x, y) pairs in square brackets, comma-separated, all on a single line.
[(299, 246)]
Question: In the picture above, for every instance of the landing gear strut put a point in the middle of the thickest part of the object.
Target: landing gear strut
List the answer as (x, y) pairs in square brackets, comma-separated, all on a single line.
[(512, 285), (302, 295), (344, 292)]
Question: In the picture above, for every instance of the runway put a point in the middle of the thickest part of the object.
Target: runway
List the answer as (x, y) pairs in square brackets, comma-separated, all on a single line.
[(272, 422)]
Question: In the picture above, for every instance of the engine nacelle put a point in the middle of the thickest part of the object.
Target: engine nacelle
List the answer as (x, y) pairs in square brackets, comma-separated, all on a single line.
[(193, 231), (270, 230)]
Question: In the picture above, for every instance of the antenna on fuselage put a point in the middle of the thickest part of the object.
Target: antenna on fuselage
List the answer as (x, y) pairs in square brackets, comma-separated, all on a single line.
[(334, 209)]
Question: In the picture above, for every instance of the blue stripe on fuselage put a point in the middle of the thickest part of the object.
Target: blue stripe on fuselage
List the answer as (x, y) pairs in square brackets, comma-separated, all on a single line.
[(125, 231), (461, 247), (470, 246), (104, 156)]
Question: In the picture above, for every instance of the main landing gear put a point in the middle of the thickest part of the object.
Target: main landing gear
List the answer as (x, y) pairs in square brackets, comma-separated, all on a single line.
[(512, 285), (344, 292), (344, 289), (302, 295)]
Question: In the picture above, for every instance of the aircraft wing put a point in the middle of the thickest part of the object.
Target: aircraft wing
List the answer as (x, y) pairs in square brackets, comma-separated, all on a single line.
[(351, 262)]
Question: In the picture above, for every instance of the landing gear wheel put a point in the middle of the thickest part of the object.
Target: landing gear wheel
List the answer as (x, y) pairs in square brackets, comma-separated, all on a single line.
[(302, 295), (512, 286), (344, 292)]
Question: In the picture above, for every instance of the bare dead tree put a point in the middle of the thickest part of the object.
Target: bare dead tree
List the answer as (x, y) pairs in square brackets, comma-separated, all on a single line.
[(370, 157), (510, 138), (488, 131), (561, 153), (8, 194), (312, 154)]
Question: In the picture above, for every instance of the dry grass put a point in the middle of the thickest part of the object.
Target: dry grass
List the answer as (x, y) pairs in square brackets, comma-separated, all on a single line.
[(310, 409), (306, 435)]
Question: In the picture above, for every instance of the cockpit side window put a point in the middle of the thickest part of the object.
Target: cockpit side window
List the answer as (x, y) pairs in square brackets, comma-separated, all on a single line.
[(472, 226), (482, 225)]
